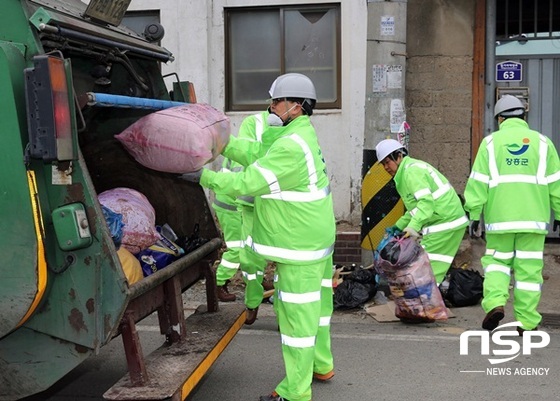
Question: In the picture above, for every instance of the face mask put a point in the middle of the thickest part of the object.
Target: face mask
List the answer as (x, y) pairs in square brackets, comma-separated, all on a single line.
[(276, 121)]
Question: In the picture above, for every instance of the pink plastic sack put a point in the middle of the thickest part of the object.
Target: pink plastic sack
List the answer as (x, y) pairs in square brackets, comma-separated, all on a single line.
[(405, 265), (181, 139), (138, 216)]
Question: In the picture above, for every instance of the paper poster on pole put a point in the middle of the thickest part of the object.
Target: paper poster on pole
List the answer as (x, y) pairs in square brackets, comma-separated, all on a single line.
[(387, 25), (394, 76), (397, 115), (379, 78)]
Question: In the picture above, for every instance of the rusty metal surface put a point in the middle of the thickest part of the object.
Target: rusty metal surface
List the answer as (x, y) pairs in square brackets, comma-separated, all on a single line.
[(169, 367)]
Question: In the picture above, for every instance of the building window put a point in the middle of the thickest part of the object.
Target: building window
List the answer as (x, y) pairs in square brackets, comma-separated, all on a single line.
[(264, 42)]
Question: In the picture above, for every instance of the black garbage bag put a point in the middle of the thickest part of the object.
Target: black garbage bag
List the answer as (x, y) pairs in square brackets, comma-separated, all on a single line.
[(356, 289), (464, 287)]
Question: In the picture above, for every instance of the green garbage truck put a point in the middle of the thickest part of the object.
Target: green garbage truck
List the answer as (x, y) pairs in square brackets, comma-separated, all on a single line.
[(71, 78)]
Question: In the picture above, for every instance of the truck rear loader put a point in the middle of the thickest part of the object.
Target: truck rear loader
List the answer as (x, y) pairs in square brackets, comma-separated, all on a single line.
[(71, 78)]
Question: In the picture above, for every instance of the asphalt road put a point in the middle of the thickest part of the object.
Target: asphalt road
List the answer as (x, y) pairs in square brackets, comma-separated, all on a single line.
[(374, 361)]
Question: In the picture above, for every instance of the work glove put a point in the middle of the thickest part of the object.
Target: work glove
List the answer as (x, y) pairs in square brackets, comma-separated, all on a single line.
[(192, 177), (412, 233), (392, 231), (474, 229), (556, 225)]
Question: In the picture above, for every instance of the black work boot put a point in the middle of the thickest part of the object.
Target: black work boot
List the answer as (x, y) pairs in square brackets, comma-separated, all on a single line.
[(223, 294), (251, 315), (492, 319), (272, 397)]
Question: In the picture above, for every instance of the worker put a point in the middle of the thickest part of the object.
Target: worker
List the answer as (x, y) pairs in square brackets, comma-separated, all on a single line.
[(295, 227), (434, 214), (230, 221), (513, 185)]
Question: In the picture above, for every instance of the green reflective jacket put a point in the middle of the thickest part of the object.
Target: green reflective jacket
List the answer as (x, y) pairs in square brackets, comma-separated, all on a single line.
[(432, 205), (514, 180), (293, 205)]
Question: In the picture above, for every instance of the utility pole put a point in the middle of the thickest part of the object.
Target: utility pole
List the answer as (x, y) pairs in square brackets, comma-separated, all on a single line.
[(384, 116)]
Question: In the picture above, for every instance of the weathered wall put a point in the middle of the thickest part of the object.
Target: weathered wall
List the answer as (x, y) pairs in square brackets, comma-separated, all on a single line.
[(439, 84)]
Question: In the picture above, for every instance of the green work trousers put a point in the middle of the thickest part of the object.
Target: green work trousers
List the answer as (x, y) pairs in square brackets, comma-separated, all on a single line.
[(230, 222), (304, 304), (253, 265), (521, 253), (441, 248)]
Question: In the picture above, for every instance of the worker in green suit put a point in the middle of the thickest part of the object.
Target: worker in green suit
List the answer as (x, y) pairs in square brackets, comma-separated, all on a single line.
[(433, 208), (514, 183), (295, 227)]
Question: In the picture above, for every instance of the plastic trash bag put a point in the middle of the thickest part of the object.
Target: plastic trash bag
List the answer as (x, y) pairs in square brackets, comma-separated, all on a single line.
[(464, 287), (357, 288), (405, 265), (115, 225)]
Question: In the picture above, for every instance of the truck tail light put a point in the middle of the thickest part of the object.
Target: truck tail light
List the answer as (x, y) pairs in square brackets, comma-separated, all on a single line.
[(49, 110)]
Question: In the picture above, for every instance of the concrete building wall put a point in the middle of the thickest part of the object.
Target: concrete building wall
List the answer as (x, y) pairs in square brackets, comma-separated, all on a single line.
[(439, 84)]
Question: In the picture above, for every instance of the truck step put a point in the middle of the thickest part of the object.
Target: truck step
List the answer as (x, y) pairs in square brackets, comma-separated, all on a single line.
[(174, 371)]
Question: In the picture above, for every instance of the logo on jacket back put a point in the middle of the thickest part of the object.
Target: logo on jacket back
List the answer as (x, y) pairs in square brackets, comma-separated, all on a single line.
[(516, 150)]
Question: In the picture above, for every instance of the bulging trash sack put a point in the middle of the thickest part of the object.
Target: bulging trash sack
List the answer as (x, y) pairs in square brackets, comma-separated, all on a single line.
[(411, 280), (179, 140), (138, 216)]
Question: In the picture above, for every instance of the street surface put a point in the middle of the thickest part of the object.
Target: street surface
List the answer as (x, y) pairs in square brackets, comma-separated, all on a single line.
[(373, 361)]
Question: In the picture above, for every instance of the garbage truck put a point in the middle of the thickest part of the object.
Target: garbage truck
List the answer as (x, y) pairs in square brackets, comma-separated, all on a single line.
[(72, 76)]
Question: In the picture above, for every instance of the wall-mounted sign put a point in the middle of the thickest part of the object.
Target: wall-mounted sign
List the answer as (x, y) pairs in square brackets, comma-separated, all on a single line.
[(509, 71)]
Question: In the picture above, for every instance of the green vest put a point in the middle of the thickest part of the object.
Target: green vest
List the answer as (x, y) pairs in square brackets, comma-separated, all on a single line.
[(294, 216), (514, 180), (432, 205)]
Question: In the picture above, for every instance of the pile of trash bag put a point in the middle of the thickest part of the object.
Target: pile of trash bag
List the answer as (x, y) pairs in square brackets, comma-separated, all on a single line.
[(357, 288)]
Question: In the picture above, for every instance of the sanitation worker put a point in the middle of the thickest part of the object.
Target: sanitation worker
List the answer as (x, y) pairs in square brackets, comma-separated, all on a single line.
[(235, 216), (513, 184), (294, 226), (433, 209)]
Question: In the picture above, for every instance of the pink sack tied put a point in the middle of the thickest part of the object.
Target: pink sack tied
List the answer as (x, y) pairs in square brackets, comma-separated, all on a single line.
[(139, 217), (179, 140)]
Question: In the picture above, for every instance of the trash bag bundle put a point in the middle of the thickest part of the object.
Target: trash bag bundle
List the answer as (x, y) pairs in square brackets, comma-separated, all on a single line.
[(463, 287), (180, 139), (356, 289), (406, 267)]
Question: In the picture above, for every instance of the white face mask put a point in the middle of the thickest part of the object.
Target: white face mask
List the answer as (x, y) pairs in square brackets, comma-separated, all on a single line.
[(274, 120)]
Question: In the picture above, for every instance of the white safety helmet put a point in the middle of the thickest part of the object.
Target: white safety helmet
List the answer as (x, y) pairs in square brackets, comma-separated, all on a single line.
[(292, 85), (509, 106), (386, 147)]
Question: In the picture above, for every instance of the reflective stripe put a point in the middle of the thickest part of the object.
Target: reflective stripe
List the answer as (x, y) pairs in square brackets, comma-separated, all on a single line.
[(289, 253), (442, 188), (440, 258), (324, 321), (441, 191), (294, 196), (235, 244), (529, 255), (490, 252), (302, 342), (445, 226), (305, 298), (224, 205), (292, 254), (311, 171), (497, 268), (250, 276), (523, 285), (422, 192), (516, 225), (270, 178), (497, 179), (480, 177), (503, 255), (259, 127), (228, 264), (413, 211), (326, 282), (553, 177), (246, 198)]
